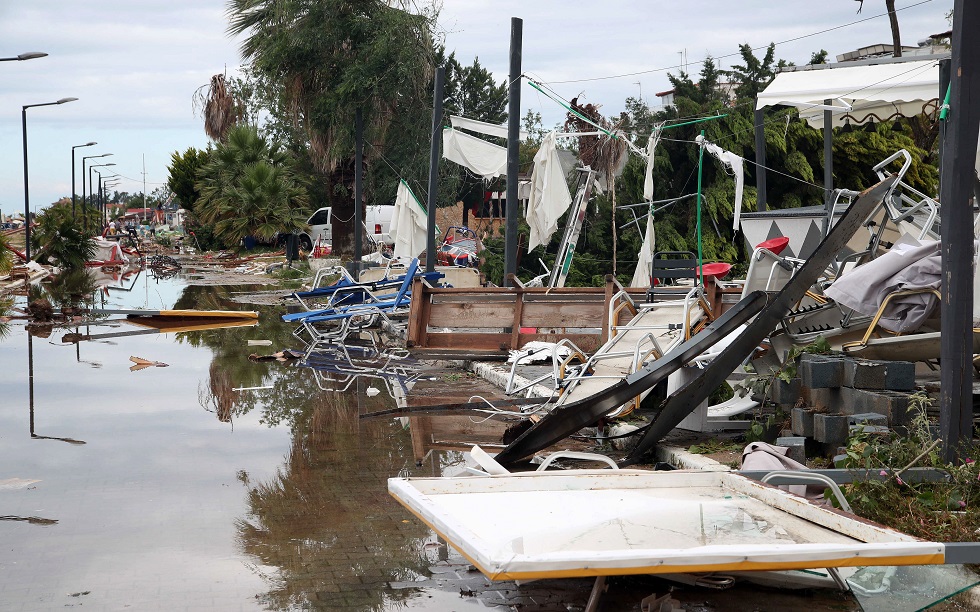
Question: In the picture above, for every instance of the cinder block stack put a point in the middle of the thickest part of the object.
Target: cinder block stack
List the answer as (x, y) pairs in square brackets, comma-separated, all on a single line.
[(841, 393)]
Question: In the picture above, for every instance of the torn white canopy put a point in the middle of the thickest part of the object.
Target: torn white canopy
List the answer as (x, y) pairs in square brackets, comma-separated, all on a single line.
[(483, 158), (856, 92), (641, 276), (549, 193), (409, 223), (735, 163)]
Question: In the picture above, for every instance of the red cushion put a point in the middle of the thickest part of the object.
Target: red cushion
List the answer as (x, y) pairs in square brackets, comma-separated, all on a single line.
[(718, 270), (776, 245)]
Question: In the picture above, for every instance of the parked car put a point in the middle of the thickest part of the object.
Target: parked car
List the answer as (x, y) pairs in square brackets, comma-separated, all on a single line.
[(460, 247), (377, 221)]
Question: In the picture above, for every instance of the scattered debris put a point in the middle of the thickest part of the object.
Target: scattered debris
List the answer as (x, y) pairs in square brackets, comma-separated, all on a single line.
[(139, 364)]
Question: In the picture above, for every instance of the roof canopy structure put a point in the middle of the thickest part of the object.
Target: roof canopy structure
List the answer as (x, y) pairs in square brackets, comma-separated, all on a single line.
[(858, 93)]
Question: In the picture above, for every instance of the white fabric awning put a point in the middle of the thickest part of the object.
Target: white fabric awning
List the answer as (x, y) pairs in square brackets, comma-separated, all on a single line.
[(409, 223), (856, 92), (549, 193), (481, 157)]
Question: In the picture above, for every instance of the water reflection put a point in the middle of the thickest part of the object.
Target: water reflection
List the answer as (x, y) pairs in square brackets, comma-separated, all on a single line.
[(30, 394), (326, 520), (310, 526)]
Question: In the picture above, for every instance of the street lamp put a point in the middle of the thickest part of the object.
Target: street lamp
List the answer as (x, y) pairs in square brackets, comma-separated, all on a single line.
[(84, 206), (108, 181), (24, 56), (102, 199), (87, 144), (90, 168), (27, 200)]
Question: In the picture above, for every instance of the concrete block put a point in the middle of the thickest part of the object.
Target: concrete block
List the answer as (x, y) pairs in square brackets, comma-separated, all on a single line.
[(852, 401), (893, 404), (825, 400), (795, 444), (870, 418), (899, 375), (830, 428), (821, 371), (786, 394), (802, 420), (870, 429), (863, 374)]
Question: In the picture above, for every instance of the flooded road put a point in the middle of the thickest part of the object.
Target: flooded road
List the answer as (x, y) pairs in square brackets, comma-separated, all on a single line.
[(171, 488), (166, 489)]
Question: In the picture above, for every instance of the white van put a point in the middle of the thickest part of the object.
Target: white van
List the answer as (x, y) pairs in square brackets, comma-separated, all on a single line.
[(377, 221)]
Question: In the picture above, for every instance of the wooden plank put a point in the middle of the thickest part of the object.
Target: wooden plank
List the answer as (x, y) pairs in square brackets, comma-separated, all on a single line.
[(468, 342), (515, 329), (607, 295), (473, 299), (417, 315), (564, 315), (470, 316)]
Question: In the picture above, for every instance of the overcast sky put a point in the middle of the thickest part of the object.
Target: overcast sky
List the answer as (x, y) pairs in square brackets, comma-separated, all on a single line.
[(135, 65)]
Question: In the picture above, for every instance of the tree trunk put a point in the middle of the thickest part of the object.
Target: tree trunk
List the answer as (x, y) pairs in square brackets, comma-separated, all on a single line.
[(896, 35), (611, 184), (341, 196)]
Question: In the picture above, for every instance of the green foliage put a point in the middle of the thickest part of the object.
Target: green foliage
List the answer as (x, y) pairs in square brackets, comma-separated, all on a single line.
[(324, 61), (943, 511), (183, 175), (62, 239), (248, 188), (6, 257), (709, 447)]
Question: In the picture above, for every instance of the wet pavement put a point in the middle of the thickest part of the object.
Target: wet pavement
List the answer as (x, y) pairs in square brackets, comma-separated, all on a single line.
[(168, 488)]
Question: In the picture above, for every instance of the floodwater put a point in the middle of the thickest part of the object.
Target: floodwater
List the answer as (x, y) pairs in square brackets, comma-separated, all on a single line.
[(168, 489), (165, 489)]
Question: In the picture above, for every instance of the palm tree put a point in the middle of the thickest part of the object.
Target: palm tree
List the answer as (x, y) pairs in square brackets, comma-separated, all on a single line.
[(606, 153), (220, 110), (893, 21), (331, 58), (250, 189)]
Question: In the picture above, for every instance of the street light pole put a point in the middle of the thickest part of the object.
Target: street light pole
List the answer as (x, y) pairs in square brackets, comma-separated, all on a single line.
[(90, 168), (27, 199), (111, 180), (84, 205), (87, 144), (24, 56)]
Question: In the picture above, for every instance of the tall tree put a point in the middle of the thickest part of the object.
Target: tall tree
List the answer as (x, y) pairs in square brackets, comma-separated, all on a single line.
[(248, 188), (893, 23), (183, 175), (330, 58)]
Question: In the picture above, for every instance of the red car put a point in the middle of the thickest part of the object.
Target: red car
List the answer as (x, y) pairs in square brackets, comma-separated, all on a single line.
[(460, 248)]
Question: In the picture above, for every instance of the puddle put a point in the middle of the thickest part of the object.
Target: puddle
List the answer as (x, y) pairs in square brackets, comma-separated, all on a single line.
[(219, 482)]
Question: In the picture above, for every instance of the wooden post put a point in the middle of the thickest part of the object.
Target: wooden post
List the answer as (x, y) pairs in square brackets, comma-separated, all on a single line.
[(957, 198)]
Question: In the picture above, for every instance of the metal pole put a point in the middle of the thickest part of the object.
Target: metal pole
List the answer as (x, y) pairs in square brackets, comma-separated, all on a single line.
[(760, 159), (27, 199), (84, 206), (513, 147), (430, 238), (828, 166), (91, 194), (73, 183), (957, 199), (358, 184)]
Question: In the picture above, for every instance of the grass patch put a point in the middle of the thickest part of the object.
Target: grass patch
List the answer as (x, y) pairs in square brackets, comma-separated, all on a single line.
[(710, 447), (944, 511)]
